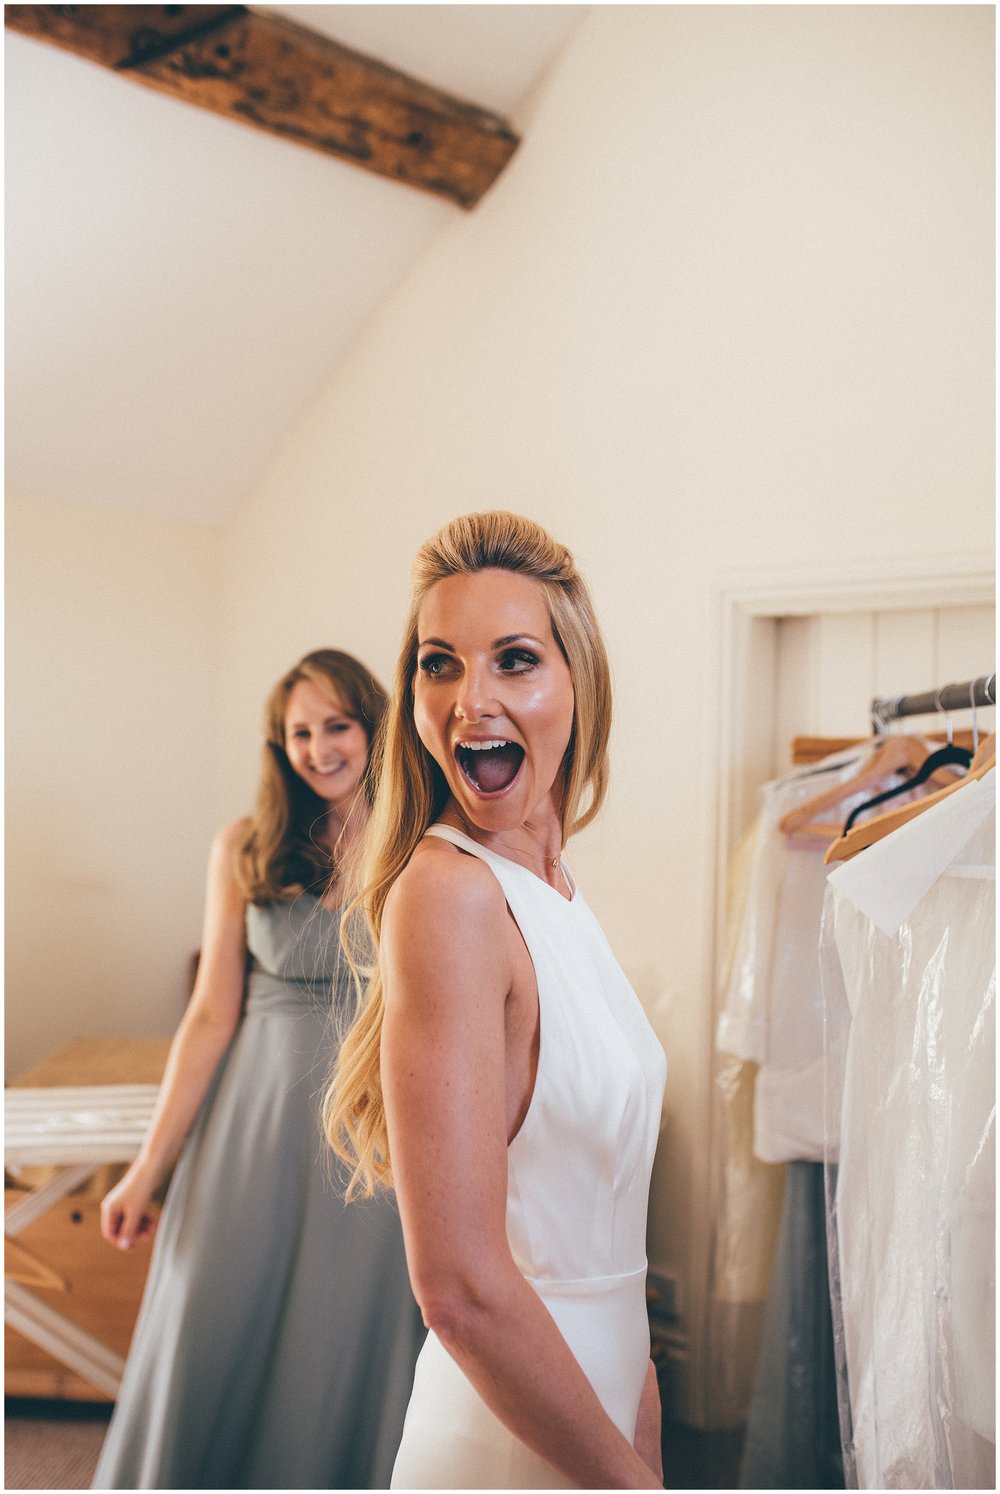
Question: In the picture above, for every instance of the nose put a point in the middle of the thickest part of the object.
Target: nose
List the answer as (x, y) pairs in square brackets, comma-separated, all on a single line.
[(317, 755), (473, 699)]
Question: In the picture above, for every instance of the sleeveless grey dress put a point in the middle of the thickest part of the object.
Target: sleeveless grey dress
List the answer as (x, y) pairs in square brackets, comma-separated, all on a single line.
[(277, 1337)]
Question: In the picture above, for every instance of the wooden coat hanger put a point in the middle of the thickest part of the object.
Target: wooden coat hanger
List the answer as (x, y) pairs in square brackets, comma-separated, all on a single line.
[(806, 750), (882, 825), (896, 755), (948, 756)]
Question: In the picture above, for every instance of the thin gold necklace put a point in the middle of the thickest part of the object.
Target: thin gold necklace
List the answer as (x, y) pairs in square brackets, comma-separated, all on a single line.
[(552, 861)]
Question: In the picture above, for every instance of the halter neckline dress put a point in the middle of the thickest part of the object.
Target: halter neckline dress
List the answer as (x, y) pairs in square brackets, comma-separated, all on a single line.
[(577, 1192)]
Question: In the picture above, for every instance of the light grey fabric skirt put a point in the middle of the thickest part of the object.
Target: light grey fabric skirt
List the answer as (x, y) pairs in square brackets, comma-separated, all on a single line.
[(277, 1337)]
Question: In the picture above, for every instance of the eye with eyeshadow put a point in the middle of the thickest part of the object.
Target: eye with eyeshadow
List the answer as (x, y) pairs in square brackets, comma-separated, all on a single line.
[(433, 666), (517, 661)]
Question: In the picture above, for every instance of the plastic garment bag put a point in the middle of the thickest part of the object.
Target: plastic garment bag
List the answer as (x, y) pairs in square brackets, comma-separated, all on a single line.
[(747, 1197), (770, 1338), (770, 1032), (909, 985), (772, 1012), (793, 1435), (750, 1193), (747, 1216)]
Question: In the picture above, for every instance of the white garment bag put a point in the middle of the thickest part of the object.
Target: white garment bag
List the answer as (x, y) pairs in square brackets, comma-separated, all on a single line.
[(772, 1003), (909, 985), (767, 1314)]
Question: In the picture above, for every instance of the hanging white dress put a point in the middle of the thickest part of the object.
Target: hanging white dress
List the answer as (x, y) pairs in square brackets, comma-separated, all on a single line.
[(908, 953), (773, 1017), (772, 1010), (770, 1233)]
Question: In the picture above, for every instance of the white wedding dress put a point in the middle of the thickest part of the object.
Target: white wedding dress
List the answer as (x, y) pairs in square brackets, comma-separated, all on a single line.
[(577, 1192)]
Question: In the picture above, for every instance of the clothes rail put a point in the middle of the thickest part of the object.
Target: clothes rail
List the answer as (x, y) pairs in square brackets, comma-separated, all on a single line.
[(982, 691)]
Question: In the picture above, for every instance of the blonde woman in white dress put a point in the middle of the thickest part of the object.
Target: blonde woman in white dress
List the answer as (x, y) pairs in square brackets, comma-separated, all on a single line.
[(501, 1075)]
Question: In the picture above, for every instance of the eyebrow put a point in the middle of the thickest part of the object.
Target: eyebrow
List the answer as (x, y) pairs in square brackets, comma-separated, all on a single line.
[(497, 642)]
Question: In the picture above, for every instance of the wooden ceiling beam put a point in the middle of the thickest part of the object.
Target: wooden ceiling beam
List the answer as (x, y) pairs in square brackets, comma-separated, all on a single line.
[(263, 70)]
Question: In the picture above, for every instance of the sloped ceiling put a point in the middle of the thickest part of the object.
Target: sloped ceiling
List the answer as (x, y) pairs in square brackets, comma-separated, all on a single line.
[(178, 286)]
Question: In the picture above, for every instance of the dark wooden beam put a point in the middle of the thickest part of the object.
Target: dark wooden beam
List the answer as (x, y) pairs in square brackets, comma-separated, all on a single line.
[(120, 36), (264, 70)]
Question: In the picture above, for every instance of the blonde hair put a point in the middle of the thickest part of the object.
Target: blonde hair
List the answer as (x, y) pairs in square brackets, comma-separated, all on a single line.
[(279, 857), (412, 791)]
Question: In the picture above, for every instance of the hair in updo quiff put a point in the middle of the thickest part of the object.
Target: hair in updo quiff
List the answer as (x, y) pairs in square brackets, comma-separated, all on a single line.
[(411, 790)]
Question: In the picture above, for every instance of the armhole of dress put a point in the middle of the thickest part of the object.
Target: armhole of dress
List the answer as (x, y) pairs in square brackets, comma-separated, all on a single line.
[(435, 832)]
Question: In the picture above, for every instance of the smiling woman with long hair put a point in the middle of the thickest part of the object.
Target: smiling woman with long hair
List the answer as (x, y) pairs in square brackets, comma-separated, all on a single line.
[(277, 1336), (501, 1075)]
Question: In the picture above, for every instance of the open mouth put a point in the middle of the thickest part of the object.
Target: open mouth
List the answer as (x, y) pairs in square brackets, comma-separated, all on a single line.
[(489, 767)]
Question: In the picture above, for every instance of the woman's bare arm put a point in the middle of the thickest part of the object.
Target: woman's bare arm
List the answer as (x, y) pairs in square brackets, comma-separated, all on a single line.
[(447, 972), (648, 1428), (204, 1034)]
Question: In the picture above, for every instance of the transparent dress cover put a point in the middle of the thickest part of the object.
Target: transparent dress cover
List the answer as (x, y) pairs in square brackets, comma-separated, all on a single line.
[(768, 1077), (909, 982)]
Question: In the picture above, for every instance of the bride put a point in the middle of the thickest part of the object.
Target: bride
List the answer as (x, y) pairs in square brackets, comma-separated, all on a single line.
[(502, 1076)]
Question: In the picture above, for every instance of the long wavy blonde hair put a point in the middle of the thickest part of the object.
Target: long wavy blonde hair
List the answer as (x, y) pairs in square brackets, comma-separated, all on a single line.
[(411, 793), (280, 857)]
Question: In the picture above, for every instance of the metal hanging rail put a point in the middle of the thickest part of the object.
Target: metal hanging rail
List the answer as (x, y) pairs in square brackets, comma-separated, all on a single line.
[(982, 691)]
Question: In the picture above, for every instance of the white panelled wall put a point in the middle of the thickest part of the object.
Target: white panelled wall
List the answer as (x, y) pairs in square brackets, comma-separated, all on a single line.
[(829, 668)]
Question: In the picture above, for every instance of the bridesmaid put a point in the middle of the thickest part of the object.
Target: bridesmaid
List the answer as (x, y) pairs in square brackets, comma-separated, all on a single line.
[(277, 1337)]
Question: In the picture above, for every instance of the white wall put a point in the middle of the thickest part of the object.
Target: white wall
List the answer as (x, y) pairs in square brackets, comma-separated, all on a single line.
[(730, 307), (113, 745)]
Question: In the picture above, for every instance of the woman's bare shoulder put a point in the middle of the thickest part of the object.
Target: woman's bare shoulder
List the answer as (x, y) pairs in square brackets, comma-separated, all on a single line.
[(443, 934), (232, 837), (442, 882)]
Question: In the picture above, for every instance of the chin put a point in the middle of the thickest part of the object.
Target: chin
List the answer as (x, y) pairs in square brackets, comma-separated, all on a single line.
[(335, 796), (503, 813)]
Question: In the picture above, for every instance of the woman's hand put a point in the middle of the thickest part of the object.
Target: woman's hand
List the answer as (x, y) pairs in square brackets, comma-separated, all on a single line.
[(126, 1215), (648, 1426)]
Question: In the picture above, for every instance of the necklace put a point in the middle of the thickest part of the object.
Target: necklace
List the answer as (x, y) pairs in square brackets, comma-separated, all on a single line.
[(471, 829)]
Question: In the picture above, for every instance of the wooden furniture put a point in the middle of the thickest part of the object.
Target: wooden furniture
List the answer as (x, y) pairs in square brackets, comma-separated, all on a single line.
[(72, 1123)]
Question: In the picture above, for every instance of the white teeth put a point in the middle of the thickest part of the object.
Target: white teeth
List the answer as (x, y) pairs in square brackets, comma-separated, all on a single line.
[(485, 746)]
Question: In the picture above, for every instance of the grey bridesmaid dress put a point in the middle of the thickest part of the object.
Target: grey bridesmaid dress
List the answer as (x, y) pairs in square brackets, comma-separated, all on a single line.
[(277, 1337)]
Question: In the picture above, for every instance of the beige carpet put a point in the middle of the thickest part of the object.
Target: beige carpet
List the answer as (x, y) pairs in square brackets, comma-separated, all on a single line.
[(52, 1444)]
